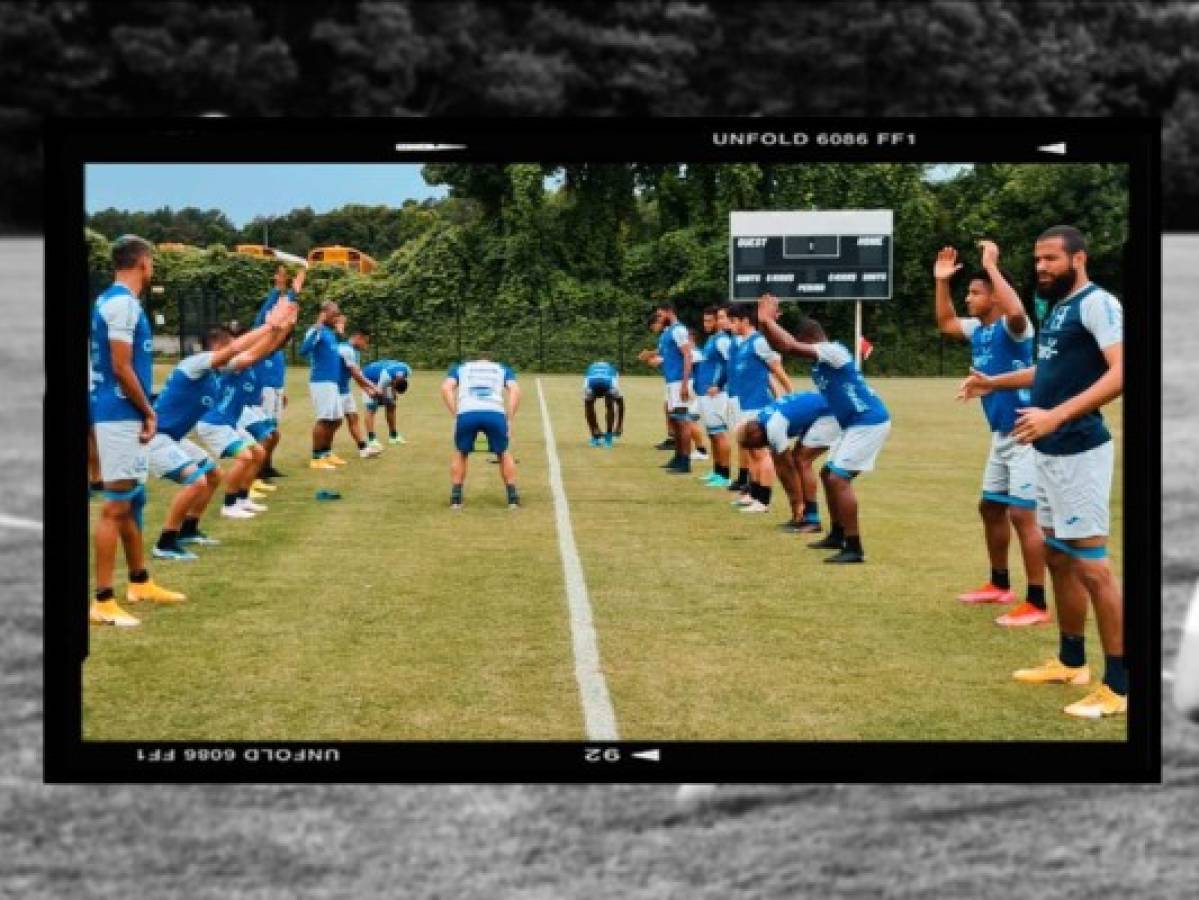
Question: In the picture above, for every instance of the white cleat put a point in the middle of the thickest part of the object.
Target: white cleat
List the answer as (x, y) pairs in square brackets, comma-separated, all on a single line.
[(236, 512), (252, 507), (699, 455), (755, 506), (369, 451), (742, 500)]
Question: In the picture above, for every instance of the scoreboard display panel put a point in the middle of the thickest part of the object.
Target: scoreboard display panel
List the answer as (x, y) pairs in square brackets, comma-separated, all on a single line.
[(811, 254)]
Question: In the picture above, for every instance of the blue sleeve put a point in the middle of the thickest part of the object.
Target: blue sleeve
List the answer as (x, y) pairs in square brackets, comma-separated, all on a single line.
[(453, 372), (271, 297), (309, 341), (509, 375)]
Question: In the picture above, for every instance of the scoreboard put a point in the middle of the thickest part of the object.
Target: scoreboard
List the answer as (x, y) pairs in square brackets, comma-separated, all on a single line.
[(811, 255)]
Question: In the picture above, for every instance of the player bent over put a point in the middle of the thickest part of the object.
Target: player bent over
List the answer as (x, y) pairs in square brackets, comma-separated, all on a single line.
[(350, 353), (474, 392), (602, 380), (1001, 338), (190, 390), (1079, 368), (864, 420), (391, 378), (783, 426), (124, 421)]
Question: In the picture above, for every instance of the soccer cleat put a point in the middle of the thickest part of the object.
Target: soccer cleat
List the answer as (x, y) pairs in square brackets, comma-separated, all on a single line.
[(335, 460), (271, 472), (1023, 615), (374, 442), (718, 481), (174, 553), (148, 590), (1053, 671), (514, 504), (609, 441), (742, 500), (678, 470), (457, 507), (260, 485), (595, 441), (369, 452), (667, 444), (1102, 701), (793, 527), (320, 464), (107, 612), (846, 556), (398, 439), (988, 593), (250, 506), (756, 506), (699, 454), (739, 487), (199, 538), (235, 511), (256, 495), (826, 543)]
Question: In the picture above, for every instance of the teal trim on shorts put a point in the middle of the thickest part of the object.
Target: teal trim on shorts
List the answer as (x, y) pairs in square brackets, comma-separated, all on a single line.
[(843, 473), (1009, 500), (237, 447), (1077, 552)]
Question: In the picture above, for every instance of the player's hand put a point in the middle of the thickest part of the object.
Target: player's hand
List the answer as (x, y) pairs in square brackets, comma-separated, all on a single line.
[(298, 282), (149, 428), (645, 355), (947, 264), (768, 307), (685, 392), (277, 316), (1033, 423), (990, 253), (976, 384), (284, 399)]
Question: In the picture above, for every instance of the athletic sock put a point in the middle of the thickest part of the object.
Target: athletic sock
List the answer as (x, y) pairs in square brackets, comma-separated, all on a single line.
[(722, 471), (362, 445), (836, 533), (764, 492), (513, 497), (853, 543), (999, 578), (755, 490), (230, 498), (104, 594), (1073, 650), (811, 512), (243, 494), (394, 434), (191, 525), (1116, 676), (370, 435), (455, 493), (1036, 595), (168, 540), (742, 477), (141, 576), (96, 485)]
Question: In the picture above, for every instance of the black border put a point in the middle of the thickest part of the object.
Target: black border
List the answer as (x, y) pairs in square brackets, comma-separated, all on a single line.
[(71, 143)]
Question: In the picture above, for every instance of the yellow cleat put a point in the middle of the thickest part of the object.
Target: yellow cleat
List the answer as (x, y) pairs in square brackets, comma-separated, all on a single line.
[(107, 612), (148, 590), (320, 464), (335, 459), (260, 485), (1052, 671), (1102, 701)]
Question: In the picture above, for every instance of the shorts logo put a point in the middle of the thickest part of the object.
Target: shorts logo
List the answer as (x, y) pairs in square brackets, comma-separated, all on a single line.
[(1073, 520), (1026, 487), (206, 401)]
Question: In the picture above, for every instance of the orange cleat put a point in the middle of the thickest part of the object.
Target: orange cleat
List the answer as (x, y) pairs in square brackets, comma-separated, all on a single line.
[(988, 593), (1023, 615)]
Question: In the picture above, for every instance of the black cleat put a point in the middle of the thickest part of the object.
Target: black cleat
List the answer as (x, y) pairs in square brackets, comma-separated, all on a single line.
[(847, 556), (270, 472), (678, 470), (667, 444), (793, 527), (827, 543)]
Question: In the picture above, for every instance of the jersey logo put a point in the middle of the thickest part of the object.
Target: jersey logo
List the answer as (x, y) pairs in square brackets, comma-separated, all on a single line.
[(148, 345), (1058, 319), (206, 401), (1048, 349)]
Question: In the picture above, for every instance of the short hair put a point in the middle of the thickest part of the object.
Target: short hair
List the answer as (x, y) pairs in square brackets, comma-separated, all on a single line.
[(359, 329), (744, 309), (127, 251), (216, 334), (664, 306), (711, 310), (653, 317), (984, 276), (328, 305), (810, 331), (1072, 238)]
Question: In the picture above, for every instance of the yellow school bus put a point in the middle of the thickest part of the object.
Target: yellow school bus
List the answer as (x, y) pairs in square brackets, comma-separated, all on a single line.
[(174, 247), (337, 255), (257, 250)]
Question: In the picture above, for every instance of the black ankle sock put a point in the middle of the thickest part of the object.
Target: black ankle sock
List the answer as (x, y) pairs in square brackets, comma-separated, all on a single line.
[(168, 540), (742, 477), (853, 543), (370, 435), (104, 594), (1116, 676), (1072, 650), (230, 498), (455, 493), (243, 494), (96, 485), (811, 511), (836, 533), (1036, 595), (513, 497), (764, 493), (722, 471), (999, 578), (141, 576), (362, 445), (190, 526)]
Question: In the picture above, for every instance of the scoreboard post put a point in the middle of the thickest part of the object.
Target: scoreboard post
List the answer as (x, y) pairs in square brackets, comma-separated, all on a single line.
[(807, 255)]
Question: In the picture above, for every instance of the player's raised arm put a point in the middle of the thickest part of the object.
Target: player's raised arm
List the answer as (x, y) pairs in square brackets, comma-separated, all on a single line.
[(779, 374), (945, 267), (260, 342), (777, 336), (1009, 302)]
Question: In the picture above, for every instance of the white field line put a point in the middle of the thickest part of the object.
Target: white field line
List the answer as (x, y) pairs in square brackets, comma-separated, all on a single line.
[(7, 521), (598, 715)]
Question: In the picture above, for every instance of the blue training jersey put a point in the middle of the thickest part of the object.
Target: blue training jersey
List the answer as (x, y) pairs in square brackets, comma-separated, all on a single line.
[(600, 373), (348, 356), (272, 370), (791, 416), (320, 346), (844, 389), (1070, 359), (670, 343), (994, 351), (117, 316), (236, 390), (385, 370), (749, 372), (481, 385), (713, 366), (190, 391)]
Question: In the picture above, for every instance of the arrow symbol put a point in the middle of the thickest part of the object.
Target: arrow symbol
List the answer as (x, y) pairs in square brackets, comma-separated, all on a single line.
[(1059, 148), (651, 755)]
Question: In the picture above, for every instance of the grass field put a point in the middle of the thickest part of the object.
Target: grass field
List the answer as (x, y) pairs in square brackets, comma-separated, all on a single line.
[(542, 842)]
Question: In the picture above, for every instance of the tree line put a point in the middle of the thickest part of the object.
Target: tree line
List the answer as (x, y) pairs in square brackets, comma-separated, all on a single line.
[(552, 278), (651, 57)]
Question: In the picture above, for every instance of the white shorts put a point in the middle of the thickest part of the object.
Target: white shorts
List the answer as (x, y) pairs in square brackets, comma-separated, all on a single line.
[(744, 415), (714, 412), (122, 456), (272, 402), (1074, 491), (857, 448), (168, 456), (824, 432), (674, 400), (326, 400), (1011, 473), (222, 440), (251, 415), (347, 404)]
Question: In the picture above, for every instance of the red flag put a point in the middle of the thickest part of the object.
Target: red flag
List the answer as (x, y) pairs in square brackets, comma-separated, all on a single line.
[(865, 348)]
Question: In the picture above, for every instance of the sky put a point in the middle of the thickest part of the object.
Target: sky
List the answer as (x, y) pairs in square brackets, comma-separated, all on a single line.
[(243, 191)]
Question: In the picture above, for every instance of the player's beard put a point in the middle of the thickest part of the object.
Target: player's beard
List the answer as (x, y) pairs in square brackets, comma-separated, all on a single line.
[(1059, 287)]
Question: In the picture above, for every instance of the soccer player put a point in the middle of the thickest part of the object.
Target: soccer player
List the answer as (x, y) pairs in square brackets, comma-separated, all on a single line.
[(349, 352), (1186, 672), (711, 376), (602, 380), (1079, 368), (125, 423), (673, 356), (1001, 337), (391, 378), (272, 371), (864, 420), (752, 367), (189, 391), (782, 426), (320, 348), (474, 393)]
